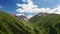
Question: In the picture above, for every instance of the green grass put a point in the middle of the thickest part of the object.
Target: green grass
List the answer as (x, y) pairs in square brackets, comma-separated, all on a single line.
[(12, 25), (49, 24)]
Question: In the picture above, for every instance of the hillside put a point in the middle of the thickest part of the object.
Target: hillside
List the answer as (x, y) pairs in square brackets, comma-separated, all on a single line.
[(47, 23), (41, 23), (12, 25)]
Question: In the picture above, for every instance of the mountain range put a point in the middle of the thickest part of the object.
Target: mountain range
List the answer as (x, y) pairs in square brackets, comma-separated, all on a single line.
[(42, 23)]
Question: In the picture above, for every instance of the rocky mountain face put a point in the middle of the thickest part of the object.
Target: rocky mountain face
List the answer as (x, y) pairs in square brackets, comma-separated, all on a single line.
[(21, 17)]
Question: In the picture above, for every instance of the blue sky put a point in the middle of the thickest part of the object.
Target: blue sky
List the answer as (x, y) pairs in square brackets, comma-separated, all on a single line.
[(10, 6), (46, 3)]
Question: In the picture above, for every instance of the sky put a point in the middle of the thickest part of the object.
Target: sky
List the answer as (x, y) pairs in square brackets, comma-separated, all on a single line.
[(30, 8)]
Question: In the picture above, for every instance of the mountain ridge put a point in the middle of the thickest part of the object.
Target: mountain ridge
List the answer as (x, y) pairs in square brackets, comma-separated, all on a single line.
[(41, 23), (49, 23), (12, 25)]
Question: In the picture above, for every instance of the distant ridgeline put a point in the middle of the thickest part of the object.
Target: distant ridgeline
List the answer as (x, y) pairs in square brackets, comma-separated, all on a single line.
[(47, 23), (41, 23)]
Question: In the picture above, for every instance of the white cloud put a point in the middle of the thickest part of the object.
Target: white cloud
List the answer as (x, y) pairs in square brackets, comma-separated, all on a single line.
[(58, 8), (29, 16), (19, 5), (20, 10), (19, 14), (30, 8), (55, 10)]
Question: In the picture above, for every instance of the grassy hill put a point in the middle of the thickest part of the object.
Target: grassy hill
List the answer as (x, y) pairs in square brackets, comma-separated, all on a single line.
[(47, 23), (12, 25)]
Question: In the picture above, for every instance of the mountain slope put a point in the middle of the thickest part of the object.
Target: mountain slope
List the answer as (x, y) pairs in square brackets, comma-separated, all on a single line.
[(12, 25), (39, 24), (47, 23)]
